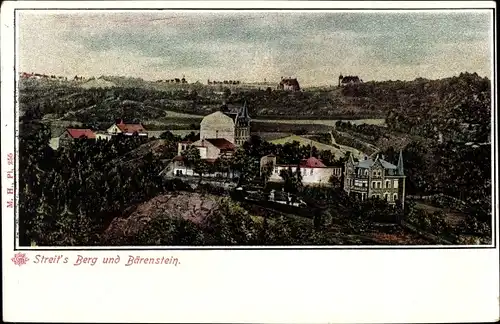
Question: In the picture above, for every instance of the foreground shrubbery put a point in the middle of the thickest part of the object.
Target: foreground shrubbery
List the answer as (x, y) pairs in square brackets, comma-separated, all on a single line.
[(435, 223)]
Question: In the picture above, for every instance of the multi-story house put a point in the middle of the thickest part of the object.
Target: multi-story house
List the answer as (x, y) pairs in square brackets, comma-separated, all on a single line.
[(375, 178)]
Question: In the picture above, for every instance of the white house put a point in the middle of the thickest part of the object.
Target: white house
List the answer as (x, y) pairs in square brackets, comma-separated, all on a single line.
[(127, 129), (313, 171), (213, 148), (210, 150)]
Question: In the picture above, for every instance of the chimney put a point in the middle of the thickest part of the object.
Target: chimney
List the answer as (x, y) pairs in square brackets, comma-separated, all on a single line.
[(118, 121)]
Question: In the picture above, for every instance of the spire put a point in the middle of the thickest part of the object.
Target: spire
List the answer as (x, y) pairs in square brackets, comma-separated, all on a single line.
[(400, 163), (243, 113)]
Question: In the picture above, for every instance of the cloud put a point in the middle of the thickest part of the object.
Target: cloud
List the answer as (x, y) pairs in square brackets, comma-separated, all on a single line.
[(314, 46)]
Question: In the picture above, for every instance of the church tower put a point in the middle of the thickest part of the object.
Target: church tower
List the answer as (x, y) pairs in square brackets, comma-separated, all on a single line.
[(242, 126)]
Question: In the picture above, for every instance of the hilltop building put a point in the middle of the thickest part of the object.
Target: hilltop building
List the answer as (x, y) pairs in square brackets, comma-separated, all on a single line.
[(289, 84), (120, 128), (375, 178), (314, 172), (349, 80)]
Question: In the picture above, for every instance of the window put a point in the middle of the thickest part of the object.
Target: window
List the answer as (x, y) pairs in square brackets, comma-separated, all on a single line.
[(216, 134), (395, 197), (386, 196), (396, 183), (373, 184), (366, 172), (387, 183), (311, 173), (379, 184)]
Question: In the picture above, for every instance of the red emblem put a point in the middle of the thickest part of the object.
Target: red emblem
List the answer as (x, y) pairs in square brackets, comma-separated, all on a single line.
[(20, 259)]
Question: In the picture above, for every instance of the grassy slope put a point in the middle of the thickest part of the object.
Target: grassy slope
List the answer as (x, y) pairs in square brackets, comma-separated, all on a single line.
[(340, 150)]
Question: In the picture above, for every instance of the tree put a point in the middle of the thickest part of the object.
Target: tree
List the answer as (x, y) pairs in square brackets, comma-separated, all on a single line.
[(335, 182), (266, 173), (193, 160), (247, 166), (292, 181), (230, 224)]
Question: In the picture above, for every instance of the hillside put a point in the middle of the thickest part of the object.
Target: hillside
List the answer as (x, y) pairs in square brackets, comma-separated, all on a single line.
[(189, 206), (97, 83), (336, 149), (161, 149), (134, 98)]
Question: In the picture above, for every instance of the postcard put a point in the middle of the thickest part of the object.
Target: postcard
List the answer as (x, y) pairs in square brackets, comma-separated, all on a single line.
[(302, 162)]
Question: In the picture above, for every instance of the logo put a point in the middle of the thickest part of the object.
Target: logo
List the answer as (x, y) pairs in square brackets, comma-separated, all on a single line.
[(20, 259)]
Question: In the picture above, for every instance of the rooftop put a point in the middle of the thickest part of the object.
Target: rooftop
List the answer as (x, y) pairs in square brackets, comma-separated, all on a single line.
[(130, 128), (312, 162), (221, 143), (80, 132), (368, 163)]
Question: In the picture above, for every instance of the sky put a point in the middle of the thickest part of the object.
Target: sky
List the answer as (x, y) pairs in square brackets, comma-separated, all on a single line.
[(314, 47)]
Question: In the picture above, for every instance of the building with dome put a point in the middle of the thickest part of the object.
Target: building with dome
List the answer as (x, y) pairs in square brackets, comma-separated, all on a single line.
[(230, 124), (217, 125), (220, 134)]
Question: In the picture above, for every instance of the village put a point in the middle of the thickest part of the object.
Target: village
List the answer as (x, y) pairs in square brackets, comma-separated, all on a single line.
[(250, 149), (223, 132)]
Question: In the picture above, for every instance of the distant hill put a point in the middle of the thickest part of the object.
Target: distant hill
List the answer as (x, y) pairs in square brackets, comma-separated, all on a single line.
[(97, 83), (413, 102)]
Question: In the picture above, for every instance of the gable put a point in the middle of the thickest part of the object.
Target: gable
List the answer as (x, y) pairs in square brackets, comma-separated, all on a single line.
[(114, 129)]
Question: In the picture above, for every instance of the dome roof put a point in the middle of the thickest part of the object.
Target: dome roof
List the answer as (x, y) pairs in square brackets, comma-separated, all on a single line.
[(217, 125), (217, 118)]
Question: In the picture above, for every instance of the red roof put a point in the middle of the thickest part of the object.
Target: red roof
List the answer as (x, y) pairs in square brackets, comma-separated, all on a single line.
[(221, 143), (78, 133), (312, 162), (130, 128)]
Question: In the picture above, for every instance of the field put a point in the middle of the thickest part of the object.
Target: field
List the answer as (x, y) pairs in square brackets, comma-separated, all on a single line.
[(338, 150), (327, 122)]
